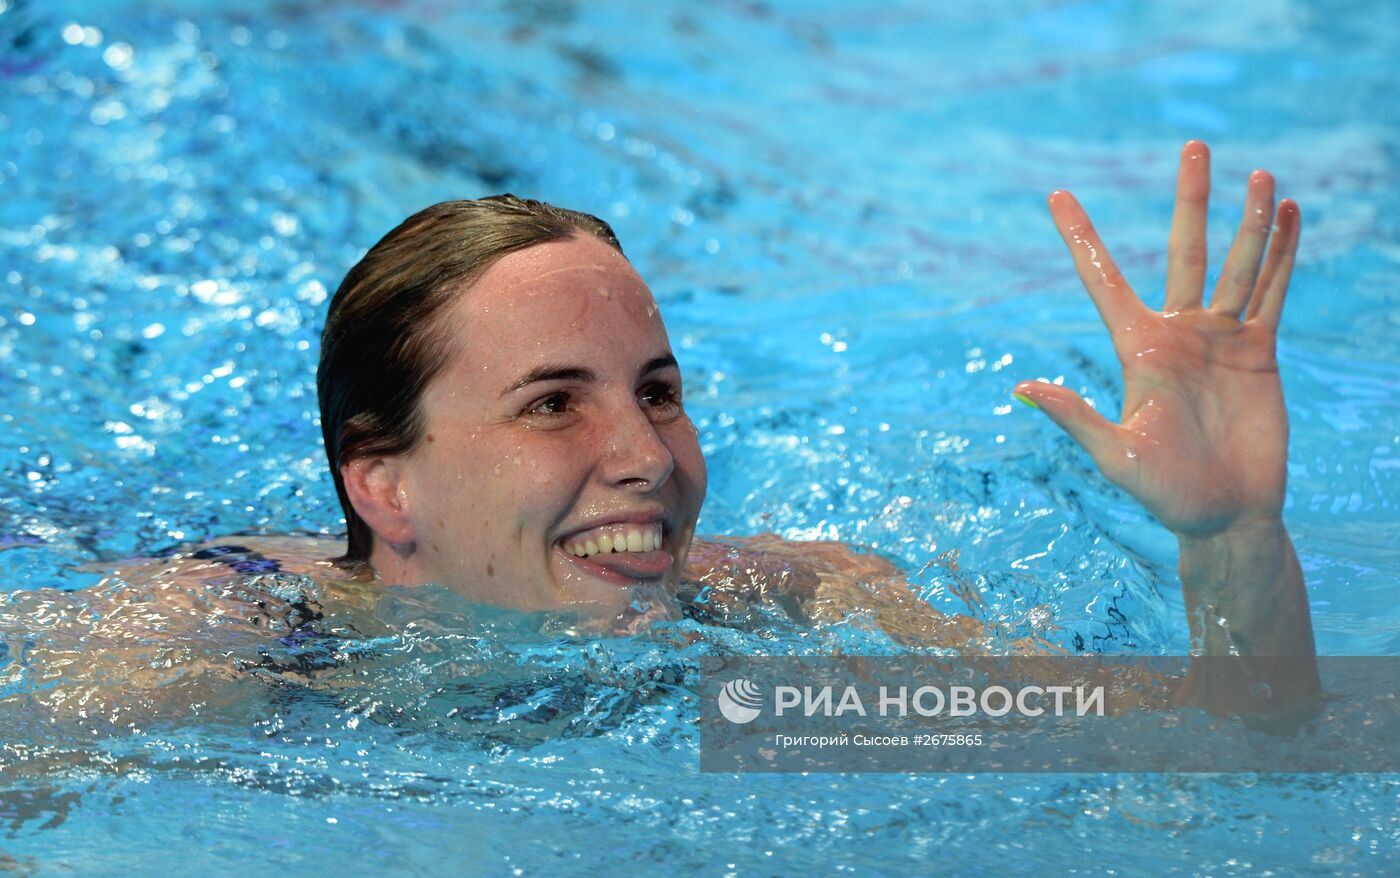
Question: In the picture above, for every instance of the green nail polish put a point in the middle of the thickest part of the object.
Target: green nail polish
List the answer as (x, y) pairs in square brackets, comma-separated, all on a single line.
[(1026, 399)]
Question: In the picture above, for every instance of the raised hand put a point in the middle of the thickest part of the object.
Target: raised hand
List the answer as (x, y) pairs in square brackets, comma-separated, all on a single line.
[(1203, 437)]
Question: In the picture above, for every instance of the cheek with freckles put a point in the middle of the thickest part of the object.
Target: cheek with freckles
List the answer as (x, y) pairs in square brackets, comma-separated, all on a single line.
[(497, 511), (452, 495)]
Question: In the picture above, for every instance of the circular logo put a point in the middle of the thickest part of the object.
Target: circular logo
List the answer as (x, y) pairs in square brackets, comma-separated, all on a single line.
[(740, 701)]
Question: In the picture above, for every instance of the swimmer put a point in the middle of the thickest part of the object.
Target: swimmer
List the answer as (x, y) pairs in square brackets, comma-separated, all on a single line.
[(503, 414)]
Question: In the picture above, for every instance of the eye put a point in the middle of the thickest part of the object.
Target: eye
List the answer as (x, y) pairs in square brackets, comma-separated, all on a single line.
[(662, 398), (554, 404)]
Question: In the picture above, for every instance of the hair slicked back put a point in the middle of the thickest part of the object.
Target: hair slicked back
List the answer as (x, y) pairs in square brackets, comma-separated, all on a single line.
[(384, 339)]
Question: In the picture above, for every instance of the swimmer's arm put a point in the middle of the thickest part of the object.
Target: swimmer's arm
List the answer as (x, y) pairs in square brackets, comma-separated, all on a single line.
[(103, 660), (137, 647), (1203, 438), (762, 567), (1245, 601), (826, 581)]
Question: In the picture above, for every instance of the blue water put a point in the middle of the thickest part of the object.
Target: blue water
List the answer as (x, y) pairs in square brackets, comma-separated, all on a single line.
[(840, 208)]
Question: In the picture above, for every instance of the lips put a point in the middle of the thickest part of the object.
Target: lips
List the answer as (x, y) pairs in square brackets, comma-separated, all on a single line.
[(627, 567)]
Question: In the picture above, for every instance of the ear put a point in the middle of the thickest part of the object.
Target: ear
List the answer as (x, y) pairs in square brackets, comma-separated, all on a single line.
[(374, 486)]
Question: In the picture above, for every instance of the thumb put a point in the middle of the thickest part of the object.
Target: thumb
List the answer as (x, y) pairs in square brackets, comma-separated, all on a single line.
[(1095, 433)]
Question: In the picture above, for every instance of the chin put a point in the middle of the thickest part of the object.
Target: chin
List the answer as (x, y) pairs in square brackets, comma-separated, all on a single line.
[(626, 605)]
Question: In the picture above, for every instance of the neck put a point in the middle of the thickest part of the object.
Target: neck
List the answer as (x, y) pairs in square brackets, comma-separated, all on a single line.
[(397, 565)]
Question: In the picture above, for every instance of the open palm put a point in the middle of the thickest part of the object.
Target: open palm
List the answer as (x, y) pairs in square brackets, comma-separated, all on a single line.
[(1203, 437)]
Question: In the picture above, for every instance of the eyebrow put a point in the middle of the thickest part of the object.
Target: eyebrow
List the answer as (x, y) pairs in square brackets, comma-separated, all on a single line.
[(555, 372)]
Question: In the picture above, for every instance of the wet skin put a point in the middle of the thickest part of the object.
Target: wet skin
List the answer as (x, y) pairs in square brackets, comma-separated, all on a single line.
[(508, 475), (557, 417), (510, 471), (1202, 441)]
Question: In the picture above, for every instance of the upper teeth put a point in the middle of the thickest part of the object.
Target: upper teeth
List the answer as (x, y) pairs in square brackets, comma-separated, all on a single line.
[(616, 538)]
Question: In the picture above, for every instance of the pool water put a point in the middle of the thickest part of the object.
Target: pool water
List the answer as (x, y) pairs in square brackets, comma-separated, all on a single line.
[(840, 207)]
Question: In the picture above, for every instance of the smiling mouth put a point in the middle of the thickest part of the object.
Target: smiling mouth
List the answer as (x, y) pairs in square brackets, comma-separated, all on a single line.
[(614, 539), (620, 553)]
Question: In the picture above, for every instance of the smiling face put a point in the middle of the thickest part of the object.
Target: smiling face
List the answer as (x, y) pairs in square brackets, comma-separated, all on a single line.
[(557, 467)]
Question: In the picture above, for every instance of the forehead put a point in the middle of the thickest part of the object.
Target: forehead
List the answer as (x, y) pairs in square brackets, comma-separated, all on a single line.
[(576, 301)]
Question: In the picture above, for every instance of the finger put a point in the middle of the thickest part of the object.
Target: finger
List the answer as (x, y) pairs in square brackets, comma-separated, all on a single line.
[(1267, 303), (1113, 297), (1186, 248), (1095, 434), (1241, 269)]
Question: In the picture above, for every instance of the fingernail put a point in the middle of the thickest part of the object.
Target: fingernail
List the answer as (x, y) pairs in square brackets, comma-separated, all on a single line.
[(1026, 399)]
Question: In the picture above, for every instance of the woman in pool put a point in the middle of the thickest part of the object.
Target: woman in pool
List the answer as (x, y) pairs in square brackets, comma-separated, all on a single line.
[(503, 415)]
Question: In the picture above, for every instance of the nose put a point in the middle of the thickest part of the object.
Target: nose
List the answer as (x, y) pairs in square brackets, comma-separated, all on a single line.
[(635, 456)]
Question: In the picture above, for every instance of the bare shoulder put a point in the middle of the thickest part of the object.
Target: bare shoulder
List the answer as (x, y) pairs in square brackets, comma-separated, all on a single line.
[(197, 563), (200, 587)]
